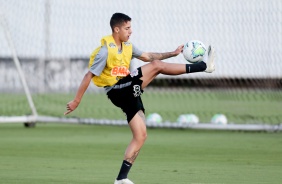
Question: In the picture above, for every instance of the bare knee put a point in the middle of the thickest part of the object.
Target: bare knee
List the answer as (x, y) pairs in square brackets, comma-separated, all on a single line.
[(141, 137), (144, 136), (158, 65)]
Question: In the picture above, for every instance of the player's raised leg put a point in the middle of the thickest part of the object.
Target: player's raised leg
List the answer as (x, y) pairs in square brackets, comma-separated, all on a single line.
[(151, 70), (210, 60)]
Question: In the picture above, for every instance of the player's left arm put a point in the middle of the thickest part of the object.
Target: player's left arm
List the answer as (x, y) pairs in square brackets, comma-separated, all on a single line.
[(150, 56)]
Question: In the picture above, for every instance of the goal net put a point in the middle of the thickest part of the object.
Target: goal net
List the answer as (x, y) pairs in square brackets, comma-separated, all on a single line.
[(46, 44)]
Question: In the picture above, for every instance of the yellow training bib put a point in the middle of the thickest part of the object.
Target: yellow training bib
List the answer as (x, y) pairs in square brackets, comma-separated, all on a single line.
[(117, 65)]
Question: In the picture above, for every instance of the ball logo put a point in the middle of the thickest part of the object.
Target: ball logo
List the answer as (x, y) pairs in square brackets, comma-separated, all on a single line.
[(137, 90), (198, 50)]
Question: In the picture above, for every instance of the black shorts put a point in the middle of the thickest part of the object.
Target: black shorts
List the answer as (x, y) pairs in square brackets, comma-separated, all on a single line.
[(126, 94)]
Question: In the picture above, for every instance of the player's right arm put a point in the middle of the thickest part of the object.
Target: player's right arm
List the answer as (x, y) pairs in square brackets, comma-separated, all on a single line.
[(95, 70), (72, 105)]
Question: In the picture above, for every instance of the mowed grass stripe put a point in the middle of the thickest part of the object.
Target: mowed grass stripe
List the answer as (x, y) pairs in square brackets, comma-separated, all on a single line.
[(53, 153)]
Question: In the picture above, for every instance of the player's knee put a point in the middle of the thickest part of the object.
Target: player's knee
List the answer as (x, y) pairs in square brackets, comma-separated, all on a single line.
[(158, 65), (141, 137), (144, 136)]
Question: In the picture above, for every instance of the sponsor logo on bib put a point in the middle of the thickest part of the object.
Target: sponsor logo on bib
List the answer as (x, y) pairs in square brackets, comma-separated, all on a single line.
[(120, 71)]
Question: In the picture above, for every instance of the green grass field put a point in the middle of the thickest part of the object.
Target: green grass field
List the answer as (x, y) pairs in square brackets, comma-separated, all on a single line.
[(240, 106), (84, 154)]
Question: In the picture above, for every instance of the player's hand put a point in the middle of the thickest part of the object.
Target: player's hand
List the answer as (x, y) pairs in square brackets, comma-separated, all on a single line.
[(179, 50), (71, 106)]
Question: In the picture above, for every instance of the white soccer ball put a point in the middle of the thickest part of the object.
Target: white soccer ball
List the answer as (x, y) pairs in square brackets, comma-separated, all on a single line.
[(154, 118), (219, 119), (188, 119), (194, 51)]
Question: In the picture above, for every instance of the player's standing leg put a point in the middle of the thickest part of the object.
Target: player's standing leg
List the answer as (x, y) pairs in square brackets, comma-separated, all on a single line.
[(139, 135)]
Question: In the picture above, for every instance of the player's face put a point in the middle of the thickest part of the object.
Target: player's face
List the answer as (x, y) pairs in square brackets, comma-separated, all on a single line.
[(125, 31)]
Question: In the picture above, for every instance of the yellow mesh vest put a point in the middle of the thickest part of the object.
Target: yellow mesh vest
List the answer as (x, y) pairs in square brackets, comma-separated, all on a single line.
[(117, 65)]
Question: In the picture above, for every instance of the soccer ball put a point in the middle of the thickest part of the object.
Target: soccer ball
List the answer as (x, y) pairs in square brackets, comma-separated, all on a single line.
[(154, 118), (220, 119), (194, 51), (188, 119)]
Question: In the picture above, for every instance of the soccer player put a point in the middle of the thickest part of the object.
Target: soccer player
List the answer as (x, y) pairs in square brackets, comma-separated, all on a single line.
[(109, 68)]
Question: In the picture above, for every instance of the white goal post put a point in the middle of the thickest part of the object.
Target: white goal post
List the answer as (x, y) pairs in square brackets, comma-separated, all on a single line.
[(8, 37)]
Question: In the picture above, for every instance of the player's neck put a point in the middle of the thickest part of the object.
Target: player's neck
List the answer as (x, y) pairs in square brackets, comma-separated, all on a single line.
[(118, 41)]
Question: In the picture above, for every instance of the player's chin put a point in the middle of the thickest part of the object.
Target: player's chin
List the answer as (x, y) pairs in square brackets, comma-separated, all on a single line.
[(126, 38)]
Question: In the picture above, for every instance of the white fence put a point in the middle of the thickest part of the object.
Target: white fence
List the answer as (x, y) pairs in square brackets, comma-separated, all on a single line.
[(247, 34)]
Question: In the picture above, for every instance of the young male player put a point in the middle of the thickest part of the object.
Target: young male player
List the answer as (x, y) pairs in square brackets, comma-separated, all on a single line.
[(109, 68)]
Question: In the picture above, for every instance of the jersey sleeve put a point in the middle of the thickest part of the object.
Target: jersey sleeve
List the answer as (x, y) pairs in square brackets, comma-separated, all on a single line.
[(99, 61), (136, 52)]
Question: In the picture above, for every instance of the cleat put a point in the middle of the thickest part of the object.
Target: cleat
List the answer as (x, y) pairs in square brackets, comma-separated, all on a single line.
[(123, 181), (210, 62)]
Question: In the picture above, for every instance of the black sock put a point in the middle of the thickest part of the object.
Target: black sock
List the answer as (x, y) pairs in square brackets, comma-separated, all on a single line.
[(125, 167), (197, 67)]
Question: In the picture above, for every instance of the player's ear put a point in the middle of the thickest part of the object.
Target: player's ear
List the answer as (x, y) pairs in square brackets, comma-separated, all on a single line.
[(116, 29)]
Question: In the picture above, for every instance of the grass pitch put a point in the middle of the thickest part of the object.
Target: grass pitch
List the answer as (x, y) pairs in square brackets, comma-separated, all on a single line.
[(83, 154), (242, 106)]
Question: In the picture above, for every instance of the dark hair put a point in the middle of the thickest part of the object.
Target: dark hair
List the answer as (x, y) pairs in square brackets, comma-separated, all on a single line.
[(118, 19)]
